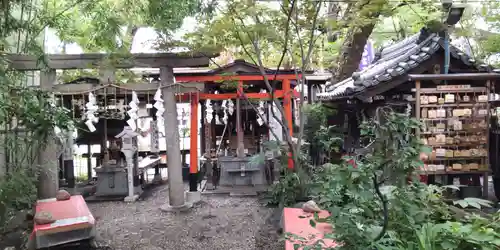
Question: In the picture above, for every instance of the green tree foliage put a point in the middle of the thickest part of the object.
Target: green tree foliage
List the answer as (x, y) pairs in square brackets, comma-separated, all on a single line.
[(490, 44), (110, 25), (404, 21), (239, 24)]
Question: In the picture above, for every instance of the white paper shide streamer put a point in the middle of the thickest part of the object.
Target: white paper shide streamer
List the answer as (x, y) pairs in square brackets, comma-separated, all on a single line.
[(57, 131), (261, 110), (230, 107), (90, 113), (160, 122), (224, 112), (132, 112), (209, 111)]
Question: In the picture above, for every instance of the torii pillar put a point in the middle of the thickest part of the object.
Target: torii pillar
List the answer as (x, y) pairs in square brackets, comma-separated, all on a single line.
[(48, 179), (193, 147), (176, 185)]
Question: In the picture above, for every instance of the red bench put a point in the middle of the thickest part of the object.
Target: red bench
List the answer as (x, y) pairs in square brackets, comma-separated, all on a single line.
[(73, 222), (296, 223)]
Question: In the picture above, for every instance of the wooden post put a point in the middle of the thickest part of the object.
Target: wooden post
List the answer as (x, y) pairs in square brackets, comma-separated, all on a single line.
[(417, 105), (287, 107), (309, 92), (240, 152), (68, 165), (176, 185), (203, 137), (89, 161), (486, 174), (193, 146), (48, 180)]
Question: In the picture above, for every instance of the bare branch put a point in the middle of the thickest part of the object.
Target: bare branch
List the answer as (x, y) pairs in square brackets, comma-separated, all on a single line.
[(305, 62), (262, 71)]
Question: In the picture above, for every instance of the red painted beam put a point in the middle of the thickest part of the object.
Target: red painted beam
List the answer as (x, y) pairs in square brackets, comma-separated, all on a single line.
[(277, 94), (186, 97), (234, 77)]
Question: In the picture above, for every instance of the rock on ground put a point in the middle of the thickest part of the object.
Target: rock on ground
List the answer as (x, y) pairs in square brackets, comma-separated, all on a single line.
[(216, 223)]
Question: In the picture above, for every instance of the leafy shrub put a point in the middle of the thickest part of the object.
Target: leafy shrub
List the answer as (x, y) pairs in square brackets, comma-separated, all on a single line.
[(375, 206), (17, 191)]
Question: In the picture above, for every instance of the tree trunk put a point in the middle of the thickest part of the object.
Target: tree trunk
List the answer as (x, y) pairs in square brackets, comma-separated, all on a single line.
[(351, 53), (355, 40)]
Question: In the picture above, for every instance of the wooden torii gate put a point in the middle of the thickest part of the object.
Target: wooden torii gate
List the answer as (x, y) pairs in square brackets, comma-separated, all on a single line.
[(48, 181)]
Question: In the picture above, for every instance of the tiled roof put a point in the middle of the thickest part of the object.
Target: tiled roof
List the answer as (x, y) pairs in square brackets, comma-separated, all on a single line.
[(396, 60)]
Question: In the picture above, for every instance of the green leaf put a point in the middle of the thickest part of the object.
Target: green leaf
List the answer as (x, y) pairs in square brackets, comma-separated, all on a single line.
[(312, 223)]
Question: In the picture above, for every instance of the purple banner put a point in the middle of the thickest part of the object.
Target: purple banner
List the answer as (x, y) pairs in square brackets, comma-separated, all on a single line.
[(368, 55)]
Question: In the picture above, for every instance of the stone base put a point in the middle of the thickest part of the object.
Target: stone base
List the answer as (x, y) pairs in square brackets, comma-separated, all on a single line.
[(183, 208), (193, 197), (131, 198)]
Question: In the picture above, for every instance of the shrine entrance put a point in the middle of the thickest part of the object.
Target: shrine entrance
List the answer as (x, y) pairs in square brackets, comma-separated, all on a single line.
[(236, 122), (92, 117)]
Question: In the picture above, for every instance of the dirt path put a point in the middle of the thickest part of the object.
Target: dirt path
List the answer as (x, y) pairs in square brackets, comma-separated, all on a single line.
[(217, 223)]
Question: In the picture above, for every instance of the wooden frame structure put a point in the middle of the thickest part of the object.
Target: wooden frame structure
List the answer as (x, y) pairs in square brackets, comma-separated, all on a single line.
[(192, 88), (390, 80), (106, 64), (476, 83)]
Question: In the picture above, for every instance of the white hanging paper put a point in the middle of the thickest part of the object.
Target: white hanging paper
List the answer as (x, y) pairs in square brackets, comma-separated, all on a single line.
[(161, 129), (209, 117), (158, 105), (230, 107), (209, 111), (157, 96), (91, 107), (91, 117), (274, 124), (260, 121), (75, 133), (160, 111), (224, 118), (90, 126), (92, 98), (76, 150), (146, 125), (57, 130), (135, 98), (132, 115), (133, 105), (132, 124)]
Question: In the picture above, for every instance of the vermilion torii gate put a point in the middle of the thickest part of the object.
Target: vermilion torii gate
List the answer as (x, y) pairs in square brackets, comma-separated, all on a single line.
[(286, 93), (250, 82)]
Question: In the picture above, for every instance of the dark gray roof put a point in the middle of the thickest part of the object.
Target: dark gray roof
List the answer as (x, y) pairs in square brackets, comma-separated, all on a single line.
[(396, 60)]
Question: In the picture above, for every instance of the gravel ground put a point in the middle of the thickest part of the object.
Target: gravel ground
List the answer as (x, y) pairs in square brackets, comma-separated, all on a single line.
[(216, 223)]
